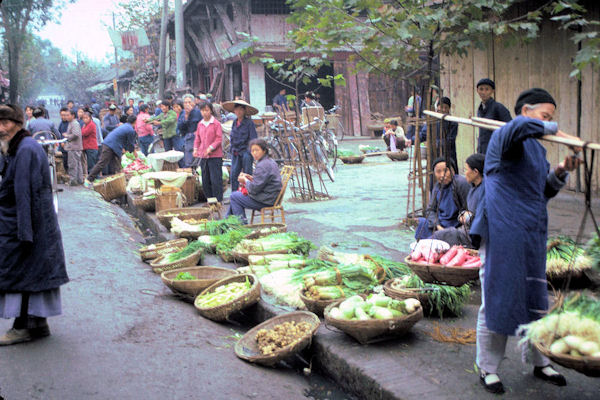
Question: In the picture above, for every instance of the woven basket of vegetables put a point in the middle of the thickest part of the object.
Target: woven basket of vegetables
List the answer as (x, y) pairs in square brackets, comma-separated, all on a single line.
[(570, 334), (450, 275), (278, 338), (187, 257), (261, 230), (193, 280), (226, 256), (276, 243), (397, 155), (420, 294), (111, 187), (374, 318), (156, 250), (352, 159), (146, 203), (183, 214), (227, 296), (243, 257), (316, 306)]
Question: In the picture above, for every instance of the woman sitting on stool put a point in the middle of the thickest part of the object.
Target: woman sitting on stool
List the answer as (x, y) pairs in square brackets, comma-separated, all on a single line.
[(259, 190)]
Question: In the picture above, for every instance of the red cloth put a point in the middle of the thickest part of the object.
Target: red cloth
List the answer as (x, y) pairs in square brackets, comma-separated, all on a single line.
[(88, 133), (211, 135), (142, 128)]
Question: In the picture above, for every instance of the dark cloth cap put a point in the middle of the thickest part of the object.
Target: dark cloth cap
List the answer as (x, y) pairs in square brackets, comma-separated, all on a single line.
[(533, 96), (12, 112), (449, 163), (476, 161), (487, 81), (446, 100)]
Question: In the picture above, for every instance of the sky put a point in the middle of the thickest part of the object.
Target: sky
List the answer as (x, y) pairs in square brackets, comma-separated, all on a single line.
[(80, 28)]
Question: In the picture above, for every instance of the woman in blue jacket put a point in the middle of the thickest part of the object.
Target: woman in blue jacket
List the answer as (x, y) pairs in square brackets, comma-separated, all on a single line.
[(242, 132)]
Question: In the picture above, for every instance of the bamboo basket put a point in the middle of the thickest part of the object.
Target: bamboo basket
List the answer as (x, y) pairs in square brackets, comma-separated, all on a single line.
[(205, 275), (112, 189), (144, 204), (247, 347), (408, 293), (169, 197), (223, 311), (170, 166), (165, 215), (156, 250), (316, 306), (374, 330), (438, 273), (188, 261), (589, 366), (189, 190), (397, 156), (352, 159), (256, 230)]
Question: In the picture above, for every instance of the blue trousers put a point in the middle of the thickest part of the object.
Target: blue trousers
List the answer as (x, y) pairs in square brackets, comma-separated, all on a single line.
[(145, 142), (212, 177), (188, 150), (240, 163), (238, 204), (423, 231), (173, 143), (92, 159)]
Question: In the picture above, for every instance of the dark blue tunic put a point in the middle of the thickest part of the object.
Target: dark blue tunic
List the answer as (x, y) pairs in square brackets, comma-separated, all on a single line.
[(241, 135), (31, 251), (512, 221), (491, 110)]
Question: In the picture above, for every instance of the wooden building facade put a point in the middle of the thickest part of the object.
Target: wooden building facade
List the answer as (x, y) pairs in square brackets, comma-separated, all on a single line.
[(545, 63), (215, 63)]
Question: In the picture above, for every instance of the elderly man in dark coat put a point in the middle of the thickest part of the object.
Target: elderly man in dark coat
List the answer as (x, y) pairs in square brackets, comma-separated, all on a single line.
[(32, 260)]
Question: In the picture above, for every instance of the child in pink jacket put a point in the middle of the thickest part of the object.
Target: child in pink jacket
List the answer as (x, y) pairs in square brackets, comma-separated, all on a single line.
[(207, 147)]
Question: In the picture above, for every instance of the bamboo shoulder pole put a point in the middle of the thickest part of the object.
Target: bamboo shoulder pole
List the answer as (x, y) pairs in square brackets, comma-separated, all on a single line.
[(493, 124)]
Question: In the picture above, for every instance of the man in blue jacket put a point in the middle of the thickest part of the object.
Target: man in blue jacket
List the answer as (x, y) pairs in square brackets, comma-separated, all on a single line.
[(186, 125), (489, 108), (115, 144)]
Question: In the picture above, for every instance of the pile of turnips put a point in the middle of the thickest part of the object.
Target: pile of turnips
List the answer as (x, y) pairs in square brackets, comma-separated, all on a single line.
[(432, 251)]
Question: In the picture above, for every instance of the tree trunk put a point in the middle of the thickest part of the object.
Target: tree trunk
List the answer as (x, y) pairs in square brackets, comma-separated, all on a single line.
[(13, 70)]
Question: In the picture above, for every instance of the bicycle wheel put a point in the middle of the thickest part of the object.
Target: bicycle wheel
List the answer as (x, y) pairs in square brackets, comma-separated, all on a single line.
[(275, 155), (54, 182), (226, 143), (322, 157), (156, 146), (332, 147), (339, 130)]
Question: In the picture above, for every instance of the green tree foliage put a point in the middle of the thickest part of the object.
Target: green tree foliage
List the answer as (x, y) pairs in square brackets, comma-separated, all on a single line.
[(402, 37), (18, 18)]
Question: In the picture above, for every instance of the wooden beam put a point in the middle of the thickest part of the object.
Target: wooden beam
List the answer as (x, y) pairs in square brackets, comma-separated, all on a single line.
[(222, 12), (193, 55), (198, 44), (212, 44)]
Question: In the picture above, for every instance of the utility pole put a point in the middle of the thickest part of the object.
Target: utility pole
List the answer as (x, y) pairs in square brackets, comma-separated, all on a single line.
[(162, 52), (179, 45), (116, 82)]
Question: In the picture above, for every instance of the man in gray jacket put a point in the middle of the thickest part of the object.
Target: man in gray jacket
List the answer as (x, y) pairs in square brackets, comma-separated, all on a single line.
[(74, 146)]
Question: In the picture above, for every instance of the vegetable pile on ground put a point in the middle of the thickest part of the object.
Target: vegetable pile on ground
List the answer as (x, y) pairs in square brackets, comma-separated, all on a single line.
[(227, 241), (190, 249), (184, 276), (324, 280), (367, 149), (223, 294), (346, 153), (431, 251), (593, 251), (573, 329), (376, 306), (210, 227), (563, 255), (440, 297), (280, 336), (289, 241), (263, 265)]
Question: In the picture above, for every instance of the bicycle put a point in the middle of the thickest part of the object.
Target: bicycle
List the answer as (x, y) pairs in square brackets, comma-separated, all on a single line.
[(49, 142), (338, 127)]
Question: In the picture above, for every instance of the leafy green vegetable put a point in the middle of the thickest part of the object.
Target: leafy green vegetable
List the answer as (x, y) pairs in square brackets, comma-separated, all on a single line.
[(346, 153), (289, 241), (224, 225), (228, 240), (184, 276), (187, 251)]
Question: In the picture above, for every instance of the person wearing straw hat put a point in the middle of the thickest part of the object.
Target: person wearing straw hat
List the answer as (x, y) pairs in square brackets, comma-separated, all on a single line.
[(242, 132), (510, 228), (32, 260)]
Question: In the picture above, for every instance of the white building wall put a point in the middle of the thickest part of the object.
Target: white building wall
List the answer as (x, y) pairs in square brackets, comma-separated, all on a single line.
[(256, 86)]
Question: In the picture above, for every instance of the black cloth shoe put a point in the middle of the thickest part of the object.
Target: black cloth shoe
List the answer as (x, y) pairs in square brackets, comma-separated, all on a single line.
[(491, 382), (549, 374)]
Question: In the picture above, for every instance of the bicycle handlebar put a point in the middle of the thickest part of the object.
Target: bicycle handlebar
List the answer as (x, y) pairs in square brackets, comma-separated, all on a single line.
[(51, 142)]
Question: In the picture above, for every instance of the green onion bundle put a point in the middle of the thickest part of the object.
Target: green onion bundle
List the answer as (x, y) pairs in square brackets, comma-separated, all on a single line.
[(228, 240), (187, 251), (562, 254), (289, 241)]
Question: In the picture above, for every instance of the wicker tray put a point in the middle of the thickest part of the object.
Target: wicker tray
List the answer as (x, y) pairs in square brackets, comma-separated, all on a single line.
[(316, 306), (206, 276), (144, 204), (408, 293), (113, 189), (243, 257), (247, 347), (156, 250), (188, 261), (183, 214), (223, 311), (398, 155), (438, 273), (374, 330), (586, 365), (279, 228), (352, 159)]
